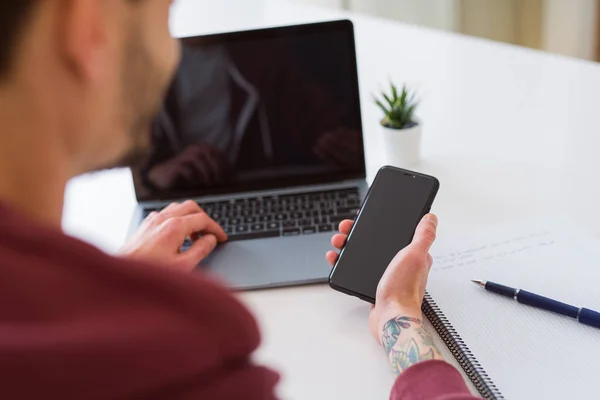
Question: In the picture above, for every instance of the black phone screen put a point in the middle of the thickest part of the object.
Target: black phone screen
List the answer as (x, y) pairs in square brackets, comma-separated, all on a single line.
[(394, 206)]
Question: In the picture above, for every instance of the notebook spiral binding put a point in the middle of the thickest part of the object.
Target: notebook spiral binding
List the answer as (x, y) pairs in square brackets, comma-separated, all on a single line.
[(459, 349)]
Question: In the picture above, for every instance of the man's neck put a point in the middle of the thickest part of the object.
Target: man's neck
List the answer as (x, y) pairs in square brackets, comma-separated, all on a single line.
[(33, 167)]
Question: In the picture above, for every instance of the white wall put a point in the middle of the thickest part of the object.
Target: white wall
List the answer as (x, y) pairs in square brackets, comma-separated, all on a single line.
[(439, 14), (570, 27)]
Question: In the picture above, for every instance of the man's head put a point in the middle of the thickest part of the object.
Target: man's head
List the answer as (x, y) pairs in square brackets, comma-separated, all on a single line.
[(93, 72)]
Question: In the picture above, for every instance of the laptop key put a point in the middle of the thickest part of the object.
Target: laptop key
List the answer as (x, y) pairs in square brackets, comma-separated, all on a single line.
[(325, 228), (289, 224), (273, 225), (322, 220), (348, 210), (309, 230), (257, 227), (254, 235), (281, 216), (339, 218), (327, 211), (306, 222), (241, 229), (353, 202), (291, 232)]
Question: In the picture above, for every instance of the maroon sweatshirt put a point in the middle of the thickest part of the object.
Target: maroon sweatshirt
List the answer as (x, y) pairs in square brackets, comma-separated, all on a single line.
[(76, 323)]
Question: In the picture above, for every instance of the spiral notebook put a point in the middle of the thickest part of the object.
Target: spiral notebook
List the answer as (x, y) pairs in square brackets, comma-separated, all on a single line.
[(507, 349)]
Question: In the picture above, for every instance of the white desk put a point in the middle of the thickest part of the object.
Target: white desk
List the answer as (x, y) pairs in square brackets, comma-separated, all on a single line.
[(508, 131)]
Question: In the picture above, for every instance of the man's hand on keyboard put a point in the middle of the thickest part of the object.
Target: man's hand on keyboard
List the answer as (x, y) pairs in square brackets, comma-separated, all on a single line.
[(162, 234)]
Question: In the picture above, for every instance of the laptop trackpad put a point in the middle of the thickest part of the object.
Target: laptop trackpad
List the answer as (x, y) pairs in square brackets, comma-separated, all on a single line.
[(262, 263)]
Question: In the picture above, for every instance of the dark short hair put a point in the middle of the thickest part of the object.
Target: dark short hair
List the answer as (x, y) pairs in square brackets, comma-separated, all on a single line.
[(14, 15)]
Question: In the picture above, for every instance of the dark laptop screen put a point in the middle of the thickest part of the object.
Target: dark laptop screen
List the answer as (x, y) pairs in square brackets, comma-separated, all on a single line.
[(256, 110)]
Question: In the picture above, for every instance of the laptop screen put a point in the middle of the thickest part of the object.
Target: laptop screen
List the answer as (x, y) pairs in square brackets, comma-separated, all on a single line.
[(256, 110)]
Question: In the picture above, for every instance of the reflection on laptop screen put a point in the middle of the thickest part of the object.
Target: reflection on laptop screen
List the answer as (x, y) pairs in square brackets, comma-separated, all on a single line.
[(255, 110)]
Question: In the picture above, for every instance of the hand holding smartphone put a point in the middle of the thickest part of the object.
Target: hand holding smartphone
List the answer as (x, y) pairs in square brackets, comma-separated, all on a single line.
[(395, 204)]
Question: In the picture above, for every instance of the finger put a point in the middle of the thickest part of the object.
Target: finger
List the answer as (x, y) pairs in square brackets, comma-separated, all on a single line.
[(338, 241), (169, 208), (188, 207), (151, 215), (346, 226), (331, 257), (429, 260), (202, 223), (200, 250), (425, 233), (175, 210), (149, 218)]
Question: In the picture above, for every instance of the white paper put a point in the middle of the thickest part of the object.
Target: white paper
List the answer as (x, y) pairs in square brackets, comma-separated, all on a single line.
[(528, 353)]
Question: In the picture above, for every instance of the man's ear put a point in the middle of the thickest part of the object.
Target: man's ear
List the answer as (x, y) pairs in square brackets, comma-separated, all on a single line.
[(83, 37)]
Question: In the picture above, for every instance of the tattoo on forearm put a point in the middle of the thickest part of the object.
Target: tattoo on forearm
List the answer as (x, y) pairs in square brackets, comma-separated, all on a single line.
[(406, 343)]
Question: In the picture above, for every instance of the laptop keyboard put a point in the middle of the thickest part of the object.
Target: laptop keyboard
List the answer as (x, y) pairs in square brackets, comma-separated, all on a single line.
[(285, 215)]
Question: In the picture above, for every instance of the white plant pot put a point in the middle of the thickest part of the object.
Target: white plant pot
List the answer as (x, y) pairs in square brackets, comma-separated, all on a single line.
[(402, 146)]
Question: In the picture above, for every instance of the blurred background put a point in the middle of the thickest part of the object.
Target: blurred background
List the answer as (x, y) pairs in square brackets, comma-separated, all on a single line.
[(567, 27)]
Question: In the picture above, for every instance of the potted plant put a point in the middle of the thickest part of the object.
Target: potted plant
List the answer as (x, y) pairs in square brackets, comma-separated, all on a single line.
[(401, 130)]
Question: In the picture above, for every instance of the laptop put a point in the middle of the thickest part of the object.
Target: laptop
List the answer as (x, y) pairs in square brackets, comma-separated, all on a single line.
[(263, 129)]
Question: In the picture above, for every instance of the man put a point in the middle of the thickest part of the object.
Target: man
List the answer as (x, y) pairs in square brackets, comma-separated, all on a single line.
[(80, 83)]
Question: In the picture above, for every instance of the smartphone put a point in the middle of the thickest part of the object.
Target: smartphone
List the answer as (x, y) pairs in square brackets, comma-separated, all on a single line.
[(395, 204)]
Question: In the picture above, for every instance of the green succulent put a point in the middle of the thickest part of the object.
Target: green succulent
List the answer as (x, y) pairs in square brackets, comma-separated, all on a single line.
[(398, 110)]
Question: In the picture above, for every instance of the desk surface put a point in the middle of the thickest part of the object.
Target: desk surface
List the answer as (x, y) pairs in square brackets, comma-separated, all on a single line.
[(509, 132)]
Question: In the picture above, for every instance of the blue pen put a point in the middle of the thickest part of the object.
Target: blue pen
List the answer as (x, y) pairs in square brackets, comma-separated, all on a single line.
[(583, 315)]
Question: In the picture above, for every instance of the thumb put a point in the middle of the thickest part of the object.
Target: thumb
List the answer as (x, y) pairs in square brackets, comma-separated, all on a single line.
[(425, 233), (200, 250)]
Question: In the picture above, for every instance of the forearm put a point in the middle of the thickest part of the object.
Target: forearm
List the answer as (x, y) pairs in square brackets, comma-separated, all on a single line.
[(406, 342)]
